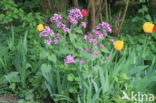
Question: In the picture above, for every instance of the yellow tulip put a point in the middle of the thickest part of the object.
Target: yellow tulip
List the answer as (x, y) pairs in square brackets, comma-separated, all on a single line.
[(148, 27), (40, 27), (118, 45)]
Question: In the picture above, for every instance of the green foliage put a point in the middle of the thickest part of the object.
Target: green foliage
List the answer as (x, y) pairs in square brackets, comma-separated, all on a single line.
[(34, 71), (11, 14)]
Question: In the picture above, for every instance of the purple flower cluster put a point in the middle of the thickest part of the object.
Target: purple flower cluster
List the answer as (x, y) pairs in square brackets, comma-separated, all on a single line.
[(48, 41), (62, 26), (50, 36), (89, 38), (94, 53), (104, 26), (72, 20), (112, 41), (46, 32), (55, 18), (83, 24), (102, 46), (86, 49), (69, 59), (97, 33), (74, 15)]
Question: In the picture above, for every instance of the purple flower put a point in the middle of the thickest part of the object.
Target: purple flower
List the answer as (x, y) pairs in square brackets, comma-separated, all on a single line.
[(88, 38), (55, 41), (94, 53), (46, 32), (55, 18), (72, 20), (48, 41), (97, 33), (83, 24), (102, 46), (112, 41), (107, 58), (57, 34), (82, 61), (96, 46), (104, 26), (69, 59), (75, 13), (67, 30), (86, 49), (95, 42), (62, 26), (85, 37)]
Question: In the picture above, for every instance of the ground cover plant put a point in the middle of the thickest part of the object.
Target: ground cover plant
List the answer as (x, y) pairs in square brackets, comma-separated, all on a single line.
[(68, 53)]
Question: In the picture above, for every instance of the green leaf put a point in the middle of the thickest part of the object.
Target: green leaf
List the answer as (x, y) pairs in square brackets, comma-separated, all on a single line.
[(72, 89), (105, 50), (154, 34), (72, 37), (78, 30), (12, 77), (70, 77), (148, 17), (43, 54), (52, 58)]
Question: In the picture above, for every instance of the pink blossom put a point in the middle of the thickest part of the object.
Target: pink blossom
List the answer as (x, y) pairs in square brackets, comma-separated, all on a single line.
[(95, 42), (97, 33), (62, 26), (48, 41), (86, 49), (72, 20), (102, 46), (56, 18), (69, 59), (83, 24), (107, 58), (46, 32), (67, 30), (57, 34), (55, 41), (94, 53), (112, 41), (89, 38), (75, 13), (82, 61), (104, 26), (85, 37)]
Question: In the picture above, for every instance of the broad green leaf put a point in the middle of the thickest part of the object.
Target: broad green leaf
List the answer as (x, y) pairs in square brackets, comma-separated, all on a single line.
[(12, 77), (52, 58), (70, 77), (44, 54)]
